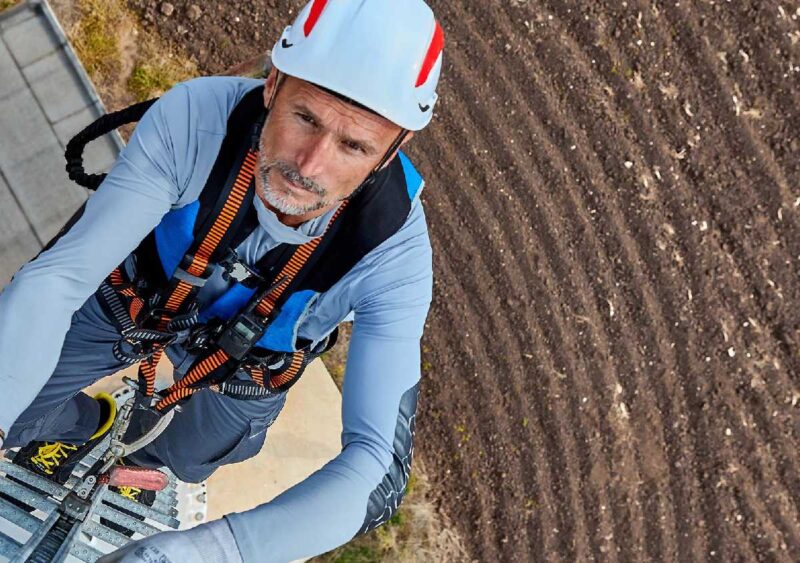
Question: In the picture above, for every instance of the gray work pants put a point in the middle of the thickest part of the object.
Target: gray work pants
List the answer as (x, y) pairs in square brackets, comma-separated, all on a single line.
[(211, 430)]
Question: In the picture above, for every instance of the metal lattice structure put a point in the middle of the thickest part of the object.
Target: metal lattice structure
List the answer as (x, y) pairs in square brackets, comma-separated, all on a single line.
[(64, 527)]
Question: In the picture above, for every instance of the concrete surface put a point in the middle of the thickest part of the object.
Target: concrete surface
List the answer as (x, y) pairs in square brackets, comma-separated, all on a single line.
[(45, 98), (306, 435)]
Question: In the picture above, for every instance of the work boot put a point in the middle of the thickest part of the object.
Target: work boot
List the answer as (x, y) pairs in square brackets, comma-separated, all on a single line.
[(56, 460), (142, 496)]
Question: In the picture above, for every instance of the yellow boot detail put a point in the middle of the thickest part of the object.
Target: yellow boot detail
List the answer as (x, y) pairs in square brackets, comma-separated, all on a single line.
[(105, 425), (131, 493), (51, 454)]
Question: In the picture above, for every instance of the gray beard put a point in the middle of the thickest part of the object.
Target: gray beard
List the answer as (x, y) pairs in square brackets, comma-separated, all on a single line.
[(281, 201)]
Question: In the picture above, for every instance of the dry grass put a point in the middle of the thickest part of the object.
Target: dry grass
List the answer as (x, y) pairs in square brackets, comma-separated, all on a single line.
[(95, 36), (155, 72), (126, 62), (4, 4)]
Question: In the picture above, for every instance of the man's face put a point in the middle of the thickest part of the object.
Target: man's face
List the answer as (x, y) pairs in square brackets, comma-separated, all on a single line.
[(316, 149)]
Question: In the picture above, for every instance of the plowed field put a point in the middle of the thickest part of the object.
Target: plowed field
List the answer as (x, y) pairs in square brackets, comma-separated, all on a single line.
[(611, 361)]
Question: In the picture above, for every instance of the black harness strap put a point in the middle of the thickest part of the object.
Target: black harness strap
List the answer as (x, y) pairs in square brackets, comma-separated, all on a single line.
[(156, 308), (173, 308)]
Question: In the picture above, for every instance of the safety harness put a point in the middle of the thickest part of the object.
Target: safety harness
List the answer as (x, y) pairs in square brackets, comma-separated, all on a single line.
[(156, 306)]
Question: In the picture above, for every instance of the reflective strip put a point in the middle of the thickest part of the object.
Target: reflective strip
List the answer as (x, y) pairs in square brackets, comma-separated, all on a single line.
[(183, 275)]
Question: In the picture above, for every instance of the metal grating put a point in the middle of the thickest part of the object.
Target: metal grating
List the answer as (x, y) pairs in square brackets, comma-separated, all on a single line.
[(44, 535)]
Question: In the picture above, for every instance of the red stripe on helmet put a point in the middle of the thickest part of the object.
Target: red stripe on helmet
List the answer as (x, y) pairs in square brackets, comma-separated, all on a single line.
[(434, 50), (316, 11)]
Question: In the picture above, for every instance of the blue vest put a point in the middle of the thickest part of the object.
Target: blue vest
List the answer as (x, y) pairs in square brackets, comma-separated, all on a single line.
[(373, 215)]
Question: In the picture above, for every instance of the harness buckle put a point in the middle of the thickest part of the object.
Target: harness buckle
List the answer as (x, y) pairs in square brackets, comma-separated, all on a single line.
[(234, 268), (156, 314), (202, 335), (181, 272)]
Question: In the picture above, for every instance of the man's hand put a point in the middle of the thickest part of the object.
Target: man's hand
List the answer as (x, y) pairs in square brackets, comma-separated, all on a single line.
[(212, 542)]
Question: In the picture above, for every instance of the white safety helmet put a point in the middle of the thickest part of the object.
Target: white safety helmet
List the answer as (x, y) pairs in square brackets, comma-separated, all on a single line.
[(384, 54)]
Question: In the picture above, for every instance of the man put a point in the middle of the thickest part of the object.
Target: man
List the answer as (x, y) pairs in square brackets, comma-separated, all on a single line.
[(331, 194)]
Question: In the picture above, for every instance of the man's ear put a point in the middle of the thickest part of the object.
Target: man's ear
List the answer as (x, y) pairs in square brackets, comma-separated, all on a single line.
[(269, 85), (408, 137)]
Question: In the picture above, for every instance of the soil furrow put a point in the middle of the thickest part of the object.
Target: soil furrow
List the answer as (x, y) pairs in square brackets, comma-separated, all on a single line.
[(566, 518), (586, 156), (563, 255)]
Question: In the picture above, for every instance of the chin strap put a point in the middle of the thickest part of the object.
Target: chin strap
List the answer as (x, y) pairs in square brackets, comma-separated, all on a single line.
[(393, 147), (389, 152), (278, 84)]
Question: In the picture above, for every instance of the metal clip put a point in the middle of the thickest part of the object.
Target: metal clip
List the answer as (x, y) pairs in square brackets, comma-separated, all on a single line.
[(235, 269)]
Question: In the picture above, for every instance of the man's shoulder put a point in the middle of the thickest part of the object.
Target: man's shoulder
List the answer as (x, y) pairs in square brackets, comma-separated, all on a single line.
[(211, 99)]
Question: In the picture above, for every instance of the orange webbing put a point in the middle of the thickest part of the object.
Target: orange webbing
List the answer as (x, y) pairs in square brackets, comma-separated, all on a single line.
[(116, 277), (136, 307), (257, 375), (198, 372), (117, 281), (223, 221), (147, 371), (221, 225), (291, 371), (174, 397)]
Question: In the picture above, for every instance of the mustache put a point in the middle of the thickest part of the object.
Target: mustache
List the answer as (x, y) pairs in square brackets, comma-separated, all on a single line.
[(291, 173)]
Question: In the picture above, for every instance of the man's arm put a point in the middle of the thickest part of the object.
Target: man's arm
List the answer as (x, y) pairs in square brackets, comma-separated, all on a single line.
[(38, 304), (362, 486)]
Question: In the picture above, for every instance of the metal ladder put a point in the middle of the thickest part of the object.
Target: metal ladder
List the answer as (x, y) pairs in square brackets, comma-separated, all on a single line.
[(60, 529)]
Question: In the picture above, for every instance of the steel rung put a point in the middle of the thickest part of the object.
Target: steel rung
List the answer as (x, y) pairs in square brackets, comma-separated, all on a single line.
[(106, 534), (32, 479), (164, 507), (167, 494), (85, 552), (8, 546), (26, 495), (168, 508), (117, 517), (140, 509), (18, 516)]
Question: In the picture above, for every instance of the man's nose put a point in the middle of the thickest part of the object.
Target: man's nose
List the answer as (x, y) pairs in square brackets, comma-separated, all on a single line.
[(314, 156)]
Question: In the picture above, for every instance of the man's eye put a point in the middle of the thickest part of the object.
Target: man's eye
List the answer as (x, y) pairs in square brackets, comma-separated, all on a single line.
[(307, 118), (354, 147)]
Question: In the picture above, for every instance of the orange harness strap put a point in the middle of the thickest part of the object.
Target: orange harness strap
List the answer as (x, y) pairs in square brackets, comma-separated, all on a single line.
[(200, 262), (182, 389)]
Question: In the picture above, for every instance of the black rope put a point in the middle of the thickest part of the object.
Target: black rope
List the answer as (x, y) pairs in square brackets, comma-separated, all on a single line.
[(105, 124)]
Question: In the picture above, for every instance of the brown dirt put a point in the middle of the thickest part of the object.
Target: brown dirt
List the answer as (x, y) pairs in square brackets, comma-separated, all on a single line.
[(612, 368)]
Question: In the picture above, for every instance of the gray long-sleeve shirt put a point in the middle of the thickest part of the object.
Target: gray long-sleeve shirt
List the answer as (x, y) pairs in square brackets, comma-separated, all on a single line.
[(164, 167)]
